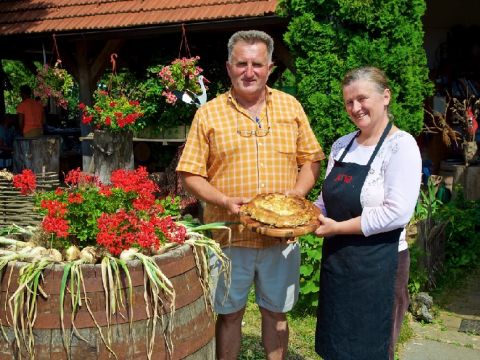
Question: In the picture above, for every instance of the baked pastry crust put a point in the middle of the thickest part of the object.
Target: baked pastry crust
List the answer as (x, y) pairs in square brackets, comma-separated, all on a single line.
[(279, 210)]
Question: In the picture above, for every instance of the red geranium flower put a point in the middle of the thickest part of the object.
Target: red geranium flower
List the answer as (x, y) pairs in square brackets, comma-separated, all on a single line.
[(25, 181), (118, 216)]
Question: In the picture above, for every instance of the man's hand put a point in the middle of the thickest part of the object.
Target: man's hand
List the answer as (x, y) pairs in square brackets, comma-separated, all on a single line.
[(294, 192), (233, 204)]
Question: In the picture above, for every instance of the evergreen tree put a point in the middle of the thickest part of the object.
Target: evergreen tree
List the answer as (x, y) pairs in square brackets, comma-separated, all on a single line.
[(330, 37)]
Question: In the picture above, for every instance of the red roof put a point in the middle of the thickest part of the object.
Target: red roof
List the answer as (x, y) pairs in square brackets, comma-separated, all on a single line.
[(44, 16)]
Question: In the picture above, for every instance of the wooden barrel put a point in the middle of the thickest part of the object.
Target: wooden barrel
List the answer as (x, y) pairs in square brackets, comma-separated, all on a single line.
[(193, 325), (40, 154)]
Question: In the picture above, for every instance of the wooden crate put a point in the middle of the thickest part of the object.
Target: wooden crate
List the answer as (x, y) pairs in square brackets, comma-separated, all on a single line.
[(17, 208)]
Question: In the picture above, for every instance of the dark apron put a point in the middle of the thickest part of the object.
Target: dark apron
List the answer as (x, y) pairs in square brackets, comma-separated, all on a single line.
[(357, 274)]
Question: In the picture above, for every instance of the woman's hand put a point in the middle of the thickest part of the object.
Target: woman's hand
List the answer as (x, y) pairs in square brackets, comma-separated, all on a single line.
[(328, 226)]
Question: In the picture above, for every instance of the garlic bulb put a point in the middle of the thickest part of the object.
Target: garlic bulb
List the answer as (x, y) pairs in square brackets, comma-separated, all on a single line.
[(89, 255), (36, 252), (72, 253), (54, 254), (128, 254)]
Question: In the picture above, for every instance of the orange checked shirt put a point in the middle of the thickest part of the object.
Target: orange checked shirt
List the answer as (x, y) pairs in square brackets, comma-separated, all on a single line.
[(242, 157)]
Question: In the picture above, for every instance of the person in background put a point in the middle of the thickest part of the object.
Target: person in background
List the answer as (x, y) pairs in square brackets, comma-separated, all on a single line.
[(7, 134), (250, 140), (369, 194), (31, 114)]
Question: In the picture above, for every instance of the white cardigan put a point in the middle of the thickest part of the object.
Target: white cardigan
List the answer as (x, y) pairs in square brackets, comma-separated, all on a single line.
[(392, 186)]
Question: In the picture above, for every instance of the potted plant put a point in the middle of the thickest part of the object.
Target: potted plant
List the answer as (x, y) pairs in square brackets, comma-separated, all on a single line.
[(53, 82), (179, 77), (113, 117), (99, 262), (182, 80)]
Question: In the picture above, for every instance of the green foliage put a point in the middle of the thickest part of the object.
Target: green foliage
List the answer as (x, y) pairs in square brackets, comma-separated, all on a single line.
[(171, 205), (330, 37), (111, 110), (418, 277), (427, 212), (428, 203), (17, 74), (311, 252), (462, 249)]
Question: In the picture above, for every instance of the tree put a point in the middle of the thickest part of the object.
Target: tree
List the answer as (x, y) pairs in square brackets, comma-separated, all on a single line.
[(17, 74), (330, 37)]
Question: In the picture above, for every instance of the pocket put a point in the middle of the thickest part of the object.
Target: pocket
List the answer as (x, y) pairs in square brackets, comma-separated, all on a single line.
[(286, 138)]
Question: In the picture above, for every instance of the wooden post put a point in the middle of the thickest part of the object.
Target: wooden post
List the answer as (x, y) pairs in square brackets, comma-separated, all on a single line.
[(41, 154), (111, 151)]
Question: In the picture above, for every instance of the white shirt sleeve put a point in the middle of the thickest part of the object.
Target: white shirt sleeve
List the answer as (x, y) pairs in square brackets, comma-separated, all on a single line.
[(402, 177)]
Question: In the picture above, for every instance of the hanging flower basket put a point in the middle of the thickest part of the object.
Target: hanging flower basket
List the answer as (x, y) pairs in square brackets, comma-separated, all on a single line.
[(53, 82), (180, 76), (111, 112)]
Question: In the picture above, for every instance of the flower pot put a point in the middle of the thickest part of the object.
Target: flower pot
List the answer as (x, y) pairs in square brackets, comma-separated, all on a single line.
[(111, 151), (193, 322)]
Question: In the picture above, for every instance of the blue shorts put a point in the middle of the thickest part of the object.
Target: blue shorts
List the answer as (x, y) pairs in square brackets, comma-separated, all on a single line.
[(275, 271)]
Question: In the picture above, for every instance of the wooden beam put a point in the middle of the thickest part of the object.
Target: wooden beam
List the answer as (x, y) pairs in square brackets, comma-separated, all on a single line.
[(2, 89), (85, 86), (283, 54), (88, 75)]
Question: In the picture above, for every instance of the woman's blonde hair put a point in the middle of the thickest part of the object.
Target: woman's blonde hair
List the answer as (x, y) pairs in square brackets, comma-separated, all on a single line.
[(368, 73), (371, 74)]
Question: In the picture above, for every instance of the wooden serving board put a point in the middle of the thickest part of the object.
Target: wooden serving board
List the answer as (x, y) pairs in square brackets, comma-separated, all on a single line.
[(267, 230)]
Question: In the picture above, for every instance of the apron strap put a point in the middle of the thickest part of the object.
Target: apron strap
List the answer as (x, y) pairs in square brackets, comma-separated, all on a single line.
[(345, 151), (380, 142)]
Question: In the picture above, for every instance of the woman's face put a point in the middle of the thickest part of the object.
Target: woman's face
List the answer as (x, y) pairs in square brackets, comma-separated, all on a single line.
[(365, 104)]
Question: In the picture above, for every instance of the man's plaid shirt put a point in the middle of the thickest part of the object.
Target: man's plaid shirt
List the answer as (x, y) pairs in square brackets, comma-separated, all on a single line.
[(247, 164)]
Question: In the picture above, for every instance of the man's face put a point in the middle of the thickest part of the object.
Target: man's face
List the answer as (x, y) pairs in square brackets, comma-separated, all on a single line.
[(249, 69)]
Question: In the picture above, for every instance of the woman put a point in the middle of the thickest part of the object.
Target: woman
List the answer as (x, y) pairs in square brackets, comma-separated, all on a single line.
[(368, 196)]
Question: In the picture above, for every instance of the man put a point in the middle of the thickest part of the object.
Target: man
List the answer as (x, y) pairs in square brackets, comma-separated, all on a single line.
[(31, 114), (251, 140)]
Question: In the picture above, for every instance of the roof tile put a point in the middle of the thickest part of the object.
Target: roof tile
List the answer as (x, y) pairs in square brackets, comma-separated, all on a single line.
[(37, 16)]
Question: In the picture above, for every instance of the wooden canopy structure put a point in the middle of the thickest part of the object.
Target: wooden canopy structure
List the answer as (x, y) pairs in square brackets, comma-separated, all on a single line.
[(84, 33)]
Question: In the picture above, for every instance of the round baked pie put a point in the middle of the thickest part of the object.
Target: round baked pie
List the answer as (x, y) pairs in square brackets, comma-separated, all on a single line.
[(279, 210)]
